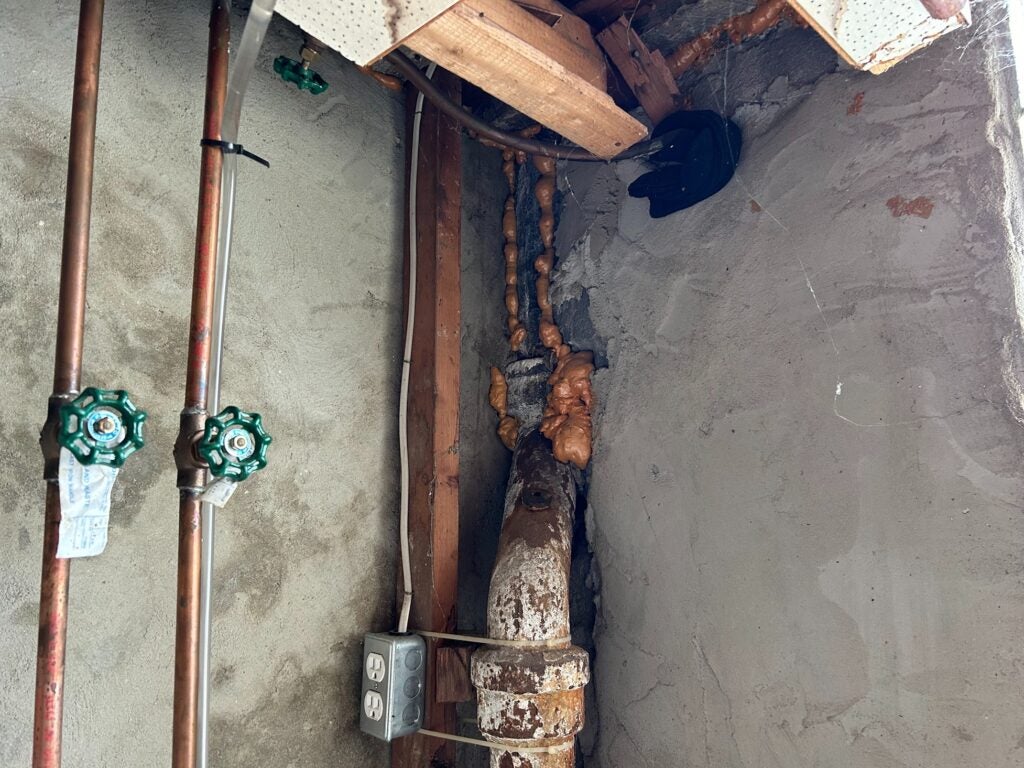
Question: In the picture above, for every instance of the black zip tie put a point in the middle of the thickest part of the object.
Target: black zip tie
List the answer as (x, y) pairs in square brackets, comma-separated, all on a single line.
[(238, 149)]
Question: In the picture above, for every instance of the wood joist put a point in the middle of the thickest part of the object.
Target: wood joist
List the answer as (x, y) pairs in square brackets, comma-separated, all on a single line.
[(433, 425), (538, 69)]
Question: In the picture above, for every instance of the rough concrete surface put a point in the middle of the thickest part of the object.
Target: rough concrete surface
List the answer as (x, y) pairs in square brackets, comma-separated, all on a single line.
[(305, 551), (805, 493)]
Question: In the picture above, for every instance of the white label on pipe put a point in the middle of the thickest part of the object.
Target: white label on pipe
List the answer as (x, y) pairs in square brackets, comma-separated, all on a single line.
[(219, 491), (84, 506)]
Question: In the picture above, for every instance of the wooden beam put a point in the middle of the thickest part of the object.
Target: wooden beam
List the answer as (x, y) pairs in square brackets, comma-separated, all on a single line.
[(569, 26), (434, 406), (519, 23), (644, 71), (516, 57), (452, 681)]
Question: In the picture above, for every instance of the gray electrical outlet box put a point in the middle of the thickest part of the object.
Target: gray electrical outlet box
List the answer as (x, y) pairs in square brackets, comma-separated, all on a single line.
[(394, 676)]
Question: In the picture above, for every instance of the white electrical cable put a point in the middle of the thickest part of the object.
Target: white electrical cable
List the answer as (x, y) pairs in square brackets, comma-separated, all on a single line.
[(508, 746), (403, 397), (554, 643)]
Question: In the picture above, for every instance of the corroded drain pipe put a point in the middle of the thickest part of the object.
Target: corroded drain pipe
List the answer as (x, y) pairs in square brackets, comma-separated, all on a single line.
[(67, 380), (533, 697)]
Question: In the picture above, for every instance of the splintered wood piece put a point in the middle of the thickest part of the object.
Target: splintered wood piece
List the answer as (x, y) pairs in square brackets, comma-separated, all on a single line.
[(522, 61), (644, 71)]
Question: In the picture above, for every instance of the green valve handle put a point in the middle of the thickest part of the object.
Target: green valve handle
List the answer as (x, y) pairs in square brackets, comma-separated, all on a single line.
[(101, 426), (299, 73), (234, 444)]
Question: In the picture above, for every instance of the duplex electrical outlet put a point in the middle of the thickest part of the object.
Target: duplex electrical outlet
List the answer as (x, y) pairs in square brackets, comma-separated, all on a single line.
[(394, 677)]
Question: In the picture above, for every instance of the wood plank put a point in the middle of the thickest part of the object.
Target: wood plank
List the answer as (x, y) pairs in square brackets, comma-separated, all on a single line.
[(524, 25), (452, 681), (512, 55), (434, 407), (644, 71), (568, 25)]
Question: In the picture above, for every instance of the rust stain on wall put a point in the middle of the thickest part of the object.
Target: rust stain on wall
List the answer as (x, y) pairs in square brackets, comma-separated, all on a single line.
[(920, 206), (856, 105)]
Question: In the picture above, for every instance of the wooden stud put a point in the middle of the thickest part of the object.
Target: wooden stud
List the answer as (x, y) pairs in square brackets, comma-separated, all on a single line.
[(434, 406), (519, 59), (452, 683), (644, 71)]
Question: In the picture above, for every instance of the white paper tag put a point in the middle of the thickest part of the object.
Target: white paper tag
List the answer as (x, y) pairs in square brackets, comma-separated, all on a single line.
[(219, 491), (84, 506)]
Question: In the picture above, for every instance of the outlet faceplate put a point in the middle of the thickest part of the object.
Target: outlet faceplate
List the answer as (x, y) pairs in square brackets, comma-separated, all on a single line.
[(394, 676)]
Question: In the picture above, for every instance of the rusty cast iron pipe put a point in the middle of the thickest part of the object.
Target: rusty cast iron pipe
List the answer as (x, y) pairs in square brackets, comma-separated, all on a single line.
[(531, 696), (67, 371), (191, 473)]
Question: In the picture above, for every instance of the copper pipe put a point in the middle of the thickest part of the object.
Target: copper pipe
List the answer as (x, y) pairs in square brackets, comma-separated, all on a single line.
[(67, 367), (53, 615), (67, 370), (209, 209), (191, 474), (528, 696)]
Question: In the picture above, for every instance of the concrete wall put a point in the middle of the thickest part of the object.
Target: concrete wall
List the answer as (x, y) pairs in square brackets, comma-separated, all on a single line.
[(806, 490), (305, 557)]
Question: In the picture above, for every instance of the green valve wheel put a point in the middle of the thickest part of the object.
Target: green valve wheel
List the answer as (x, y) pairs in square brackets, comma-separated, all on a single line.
[(299, 73), (234, 444), (101, 426)]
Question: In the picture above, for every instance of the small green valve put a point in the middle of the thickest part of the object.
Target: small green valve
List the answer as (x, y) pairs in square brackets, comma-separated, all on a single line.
[(101, 426), (234, 444), (298, 72)]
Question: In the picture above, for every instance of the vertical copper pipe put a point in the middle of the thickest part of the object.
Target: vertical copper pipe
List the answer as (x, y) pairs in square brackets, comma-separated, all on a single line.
[(209, 209), (190, 475), (67, 367), (67, 370), (53, 614)]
